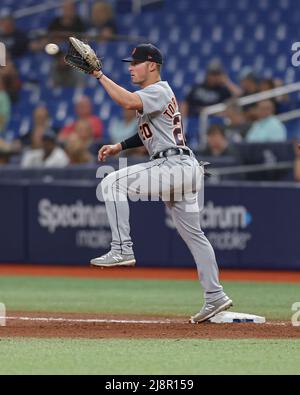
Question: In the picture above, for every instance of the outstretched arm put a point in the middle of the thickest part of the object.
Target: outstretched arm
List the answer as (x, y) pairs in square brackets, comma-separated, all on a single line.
[(126, 99), (83, 57), (233, 88)]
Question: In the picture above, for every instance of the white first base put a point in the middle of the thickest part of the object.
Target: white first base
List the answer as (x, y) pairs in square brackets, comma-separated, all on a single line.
[(232, 318)]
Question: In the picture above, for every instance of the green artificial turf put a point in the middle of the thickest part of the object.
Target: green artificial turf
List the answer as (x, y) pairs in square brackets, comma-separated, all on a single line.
[(150, 357), (147, 356), (120, 296)]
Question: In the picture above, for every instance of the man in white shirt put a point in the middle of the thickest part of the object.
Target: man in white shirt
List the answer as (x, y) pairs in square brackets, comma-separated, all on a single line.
[(50, 155)]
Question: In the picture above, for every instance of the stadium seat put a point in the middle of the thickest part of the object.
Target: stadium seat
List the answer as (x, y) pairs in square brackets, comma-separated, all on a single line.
[(258, 34)]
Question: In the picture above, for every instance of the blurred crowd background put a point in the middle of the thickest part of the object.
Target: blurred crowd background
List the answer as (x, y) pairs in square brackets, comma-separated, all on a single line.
[(215, 53)]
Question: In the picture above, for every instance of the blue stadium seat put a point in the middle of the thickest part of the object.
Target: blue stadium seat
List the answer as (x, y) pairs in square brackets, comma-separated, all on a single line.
[(244, 33)]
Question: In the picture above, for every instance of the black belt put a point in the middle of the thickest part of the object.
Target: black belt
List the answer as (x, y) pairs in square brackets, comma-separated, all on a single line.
[(171, 152)]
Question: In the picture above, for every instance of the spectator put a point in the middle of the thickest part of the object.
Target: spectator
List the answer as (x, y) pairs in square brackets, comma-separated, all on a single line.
[(216, 88), (5, 152), (284, 103), (236, 125), (50, 155), (297, 161), (4, 157), (249, 83), (11, 79), (5, 107), (83, 109), (15, 40), (61, 74), (78, 151), (67, 24), (121, 129), (217, 144), (103, 21), (267, 128), (41, 122), (84, 131), (267, 84)]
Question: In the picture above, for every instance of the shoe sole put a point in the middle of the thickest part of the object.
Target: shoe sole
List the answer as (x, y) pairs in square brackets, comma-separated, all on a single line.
[(223, 307), (123, 263)]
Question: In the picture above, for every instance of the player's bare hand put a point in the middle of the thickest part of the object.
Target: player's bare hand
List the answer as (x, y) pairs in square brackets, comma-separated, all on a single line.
[(96, 73), (109, 150)]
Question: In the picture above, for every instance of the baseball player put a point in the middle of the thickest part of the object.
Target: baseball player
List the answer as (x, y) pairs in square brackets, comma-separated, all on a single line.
[(160, 131)]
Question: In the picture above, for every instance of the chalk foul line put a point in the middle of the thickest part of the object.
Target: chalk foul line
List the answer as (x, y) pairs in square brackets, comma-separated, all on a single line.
[(110, 321), (90, 320)]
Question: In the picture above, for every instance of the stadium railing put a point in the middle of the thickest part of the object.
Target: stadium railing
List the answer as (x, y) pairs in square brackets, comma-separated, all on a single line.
[(243, 101)]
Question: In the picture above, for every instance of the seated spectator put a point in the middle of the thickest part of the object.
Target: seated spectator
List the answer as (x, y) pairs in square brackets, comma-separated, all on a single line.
[(68, 24), (236, 124), (297, 161), (50, 155), (4, 157), (77, 151), (61, 74), (284, 103), (216, 88), (83, 131), (103, 21), (265, 85), (5, 108), (83, 110), (41, 122), (249, 83), (217, 144), (11, 80), (121, 129), (5, 152), (267, 128), (15, 40)]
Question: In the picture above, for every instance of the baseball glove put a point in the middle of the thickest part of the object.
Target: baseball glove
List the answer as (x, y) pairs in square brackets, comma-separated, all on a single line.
[(82, 56)]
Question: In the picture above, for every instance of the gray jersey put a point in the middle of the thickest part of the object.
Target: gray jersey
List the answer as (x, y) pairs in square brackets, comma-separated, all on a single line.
[(176, 179), (160, 125)]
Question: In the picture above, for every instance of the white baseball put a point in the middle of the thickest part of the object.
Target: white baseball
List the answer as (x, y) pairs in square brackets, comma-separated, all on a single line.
[(51, 49)]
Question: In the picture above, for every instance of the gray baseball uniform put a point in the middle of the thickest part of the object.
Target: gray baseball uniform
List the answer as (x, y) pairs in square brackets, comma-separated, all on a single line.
[(175, 177)]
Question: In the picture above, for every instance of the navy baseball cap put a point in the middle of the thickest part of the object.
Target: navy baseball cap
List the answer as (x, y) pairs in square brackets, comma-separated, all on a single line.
[(145, 52)]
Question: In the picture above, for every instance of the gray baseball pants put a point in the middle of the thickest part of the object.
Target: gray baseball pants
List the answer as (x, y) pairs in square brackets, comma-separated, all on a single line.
[(177, 180)]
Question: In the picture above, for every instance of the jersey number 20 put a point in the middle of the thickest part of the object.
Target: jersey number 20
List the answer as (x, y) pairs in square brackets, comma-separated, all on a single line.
[(146, 131), (178, 130)]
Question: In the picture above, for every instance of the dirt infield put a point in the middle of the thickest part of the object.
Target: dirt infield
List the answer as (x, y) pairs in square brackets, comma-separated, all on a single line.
[(145, 273), (45, 325)]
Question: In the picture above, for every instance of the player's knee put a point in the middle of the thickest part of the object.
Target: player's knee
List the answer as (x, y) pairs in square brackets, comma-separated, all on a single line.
[(108, 184), (109, 180)]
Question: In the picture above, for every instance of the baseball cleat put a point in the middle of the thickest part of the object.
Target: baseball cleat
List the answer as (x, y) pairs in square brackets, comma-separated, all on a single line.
[(211, 309), (112, 259)]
